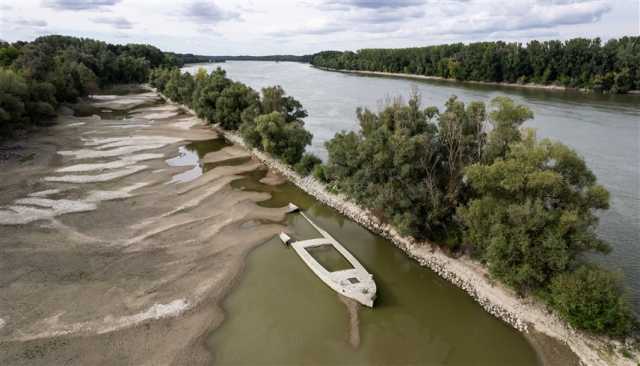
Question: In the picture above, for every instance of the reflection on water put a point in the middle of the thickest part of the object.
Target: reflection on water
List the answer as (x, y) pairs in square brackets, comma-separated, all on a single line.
[(190, 155), (604, 129)]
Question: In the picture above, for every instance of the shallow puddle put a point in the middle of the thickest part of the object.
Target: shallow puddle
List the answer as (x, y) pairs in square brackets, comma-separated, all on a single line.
[(190, 155)]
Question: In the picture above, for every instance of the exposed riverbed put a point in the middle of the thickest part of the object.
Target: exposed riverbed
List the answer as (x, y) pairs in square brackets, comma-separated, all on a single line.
[(109, 253)]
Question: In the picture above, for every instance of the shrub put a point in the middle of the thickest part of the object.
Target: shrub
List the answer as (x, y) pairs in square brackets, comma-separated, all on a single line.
[(231, 102), (320, 173), (591, 298), (307, 164), (284, 140)]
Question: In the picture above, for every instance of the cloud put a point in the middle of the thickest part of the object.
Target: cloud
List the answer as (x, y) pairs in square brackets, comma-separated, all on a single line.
[(377, 17), (374, 16), (320, 26), (24, 23), (372, 4), (115, 22), (79, 4), (207, 13), (484, 16)]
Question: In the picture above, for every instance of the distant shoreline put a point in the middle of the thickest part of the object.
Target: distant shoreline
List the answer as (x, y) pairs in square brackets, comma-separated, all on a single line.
[(473, 82)]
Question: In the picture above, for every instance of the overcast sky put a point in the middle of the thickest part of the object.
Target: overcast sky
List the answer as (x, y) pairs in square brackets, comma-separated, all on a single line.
[(215, 27)]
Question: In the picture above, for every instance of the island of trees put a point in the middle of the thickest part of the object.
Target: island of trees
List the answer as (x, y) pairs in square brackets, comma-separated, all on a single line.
[(577, 63), (467, 177)]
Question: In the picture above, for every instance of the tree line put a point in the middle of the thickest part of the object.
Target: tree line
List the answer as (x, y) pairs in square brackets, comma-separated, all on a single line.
[(193, 59), (613, 66), (36, 77), (270, 121)]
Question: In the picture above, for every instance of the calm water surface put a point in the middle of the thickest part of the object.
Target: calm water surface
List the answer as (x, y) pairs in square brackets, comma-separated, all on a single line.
[(605, 130)]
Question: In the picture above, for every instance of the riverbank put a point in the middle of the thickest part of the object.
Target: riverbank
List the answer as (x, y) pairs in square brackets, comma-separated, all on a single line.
[(524, 314), (472, 82)]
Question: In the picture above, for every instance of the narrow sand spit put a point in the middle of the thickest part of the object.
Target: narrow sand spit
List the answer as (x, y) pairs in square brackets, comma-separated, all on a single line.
[(100, 255), (24, 212), (105, 177), (228, 153), (273, 179), (187, 123), (124, 162), (45, 193)]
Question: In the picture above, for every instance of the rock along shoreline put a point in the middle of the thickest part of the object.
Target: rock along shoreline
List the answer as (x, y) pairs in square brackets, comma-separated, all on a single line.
[(523, 314)]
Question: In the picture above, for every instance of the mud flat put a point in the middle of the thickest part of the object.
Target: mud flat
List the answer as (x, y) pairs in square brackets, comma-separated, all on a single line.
[(105, 260)]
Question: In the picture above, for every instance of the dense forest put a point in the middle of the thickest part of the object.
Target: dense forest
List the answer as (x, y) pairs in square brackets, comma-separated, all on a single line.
[(35, 77), (277, 58), (188, 58), (577, 63)]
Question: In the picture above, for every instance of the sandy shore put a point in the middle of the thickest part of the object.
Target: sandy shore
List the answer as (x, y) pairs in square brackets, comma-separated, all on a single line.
[(547, 332), (104, 259)]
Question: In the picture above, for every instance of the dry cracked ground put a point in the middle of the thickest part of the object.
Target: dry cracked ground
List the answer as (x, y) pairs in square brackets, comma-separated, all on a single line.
[(105, 257)]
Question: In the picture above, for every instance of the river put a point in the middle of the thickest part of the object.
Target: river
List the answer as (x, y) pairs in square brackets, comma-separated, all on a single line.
[(604, 129)]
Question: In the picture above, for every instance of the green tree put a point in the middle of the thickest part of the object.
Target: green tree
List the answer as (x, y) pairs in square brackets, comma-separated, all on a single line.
[(506, 119), (207, 92), (282, 139), (8, 54), (231, 102), (274, 99), (307, 164), (591, 298), (13, 93), (534, 212)]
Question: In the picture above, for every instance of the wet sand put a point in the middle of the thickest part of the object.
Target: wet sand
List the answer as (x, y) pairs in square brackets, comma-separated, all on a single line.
[(104, 259)]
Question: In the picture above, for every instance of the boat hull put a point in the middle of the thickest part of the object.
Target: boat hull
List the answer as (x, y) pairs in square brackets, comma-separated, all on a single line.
[(355, 283)]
